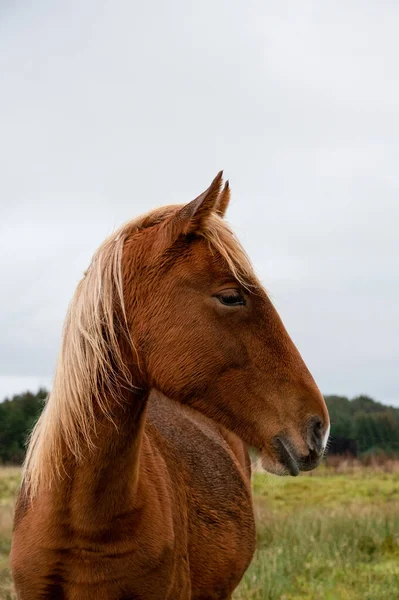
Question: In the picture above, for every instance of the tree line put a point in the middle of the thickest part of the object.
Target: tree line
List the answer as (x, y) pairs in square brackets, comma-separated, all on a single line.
[(374, 426)]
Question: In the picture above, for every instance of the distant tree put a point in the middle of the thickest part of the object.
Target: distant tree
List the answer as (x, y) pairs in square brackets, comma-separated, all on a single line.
[(363, 431), (373, 425), (388, 430), (366, 404), (340, 416), (17, 418)]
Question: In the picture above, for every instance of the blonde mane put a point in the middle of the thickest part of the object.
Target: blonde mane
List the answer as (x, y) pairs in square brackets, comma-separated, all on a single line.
[(91, 372)]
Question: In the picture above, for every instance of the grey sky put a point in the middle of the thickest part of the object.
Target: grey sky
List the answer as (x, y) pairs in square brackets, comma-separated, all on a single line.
[(110, 108)]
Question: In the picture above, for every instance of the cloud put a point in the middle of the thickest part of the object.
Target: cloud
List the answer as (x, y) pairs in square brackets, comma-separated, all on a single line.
[(108, 111)]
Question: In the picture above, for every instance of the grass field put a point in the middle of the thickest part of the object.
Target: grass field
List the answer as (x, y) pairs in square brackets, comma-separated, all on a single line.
[(9, 481), (325, 536)]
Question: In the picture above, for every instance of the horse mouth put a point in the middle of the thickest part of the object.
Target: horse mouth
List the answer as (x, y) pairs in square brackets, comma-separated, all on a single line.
[(286, 456)]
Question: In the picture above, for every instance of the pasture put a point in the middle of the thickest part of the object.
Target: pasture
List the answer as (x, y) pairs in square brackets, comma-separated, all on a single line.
[(323, 536)]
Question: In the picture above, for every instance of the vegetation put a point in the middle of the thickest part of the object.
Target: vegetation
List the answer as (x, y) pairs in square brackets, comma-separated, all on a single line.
[(329, 535), (325, 537), (17, 417), (374, 425), (9, 481)]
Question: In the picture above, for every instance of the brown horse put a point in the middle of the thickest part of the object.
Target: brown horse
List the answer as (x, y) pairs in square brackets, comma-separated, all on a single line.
[(127, 494)]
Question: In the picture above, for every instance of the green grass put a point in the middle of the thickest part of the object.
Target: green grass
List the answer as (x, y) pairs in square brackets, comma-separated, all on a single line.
[(363, 487), (324, 536)]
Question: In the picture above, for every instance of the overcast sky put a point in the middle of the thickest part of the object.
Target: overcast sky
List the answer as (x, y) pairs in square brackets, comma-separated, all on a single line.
[(110, 108)]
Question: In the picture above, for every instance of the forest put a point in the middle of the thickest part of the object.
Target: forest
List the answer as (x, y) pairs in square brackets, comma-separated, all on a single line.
[(373, 425)]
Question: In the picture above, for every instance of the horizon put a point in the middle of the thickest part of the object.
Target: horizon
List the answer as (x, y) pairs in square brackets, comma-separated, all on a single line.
[(47, 388)]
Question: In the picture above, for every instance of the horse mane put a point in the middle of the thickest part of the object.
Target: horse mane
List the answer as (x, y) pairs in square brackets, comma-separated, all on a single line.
[(91, 373)]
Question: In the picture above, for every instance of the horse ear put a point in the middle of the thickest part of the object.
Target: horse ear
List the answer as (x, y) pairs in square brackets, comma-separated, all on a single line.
[(192, 216), (223, 200)]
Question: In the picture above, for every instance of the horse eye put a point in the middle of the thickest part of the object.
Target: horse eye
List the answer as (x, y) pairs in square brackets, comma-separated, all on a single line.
[(231, 298)]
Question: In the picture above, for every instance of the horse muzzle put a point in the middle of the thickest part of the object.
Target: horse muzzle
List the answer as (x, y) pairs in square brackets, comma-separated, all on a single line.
[(293, 461)]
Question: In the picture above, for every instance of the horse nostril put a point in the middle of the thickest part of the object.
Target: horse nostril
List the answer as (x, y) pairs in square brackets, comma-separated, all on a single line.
[(315, 435)]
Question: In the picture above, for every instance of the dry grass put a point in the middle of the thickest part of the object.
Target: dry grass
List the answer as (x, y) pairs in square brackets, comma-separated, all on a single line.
[(376, 463), (9, 481), (329, 535)]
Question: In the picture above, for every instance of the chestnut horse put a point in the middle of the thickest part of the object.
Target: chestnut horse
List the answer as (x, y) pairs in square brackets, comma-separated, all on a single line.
[(127, 494)]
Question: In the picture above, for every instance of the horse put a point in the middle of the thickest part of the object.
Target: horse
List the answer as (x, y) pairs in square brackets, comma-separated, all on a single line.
[(173, 362)]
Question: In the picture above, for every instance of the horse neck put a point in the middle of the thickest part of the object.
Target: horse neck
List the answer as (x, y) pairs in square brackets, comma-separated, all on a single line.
[(103, 483)]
